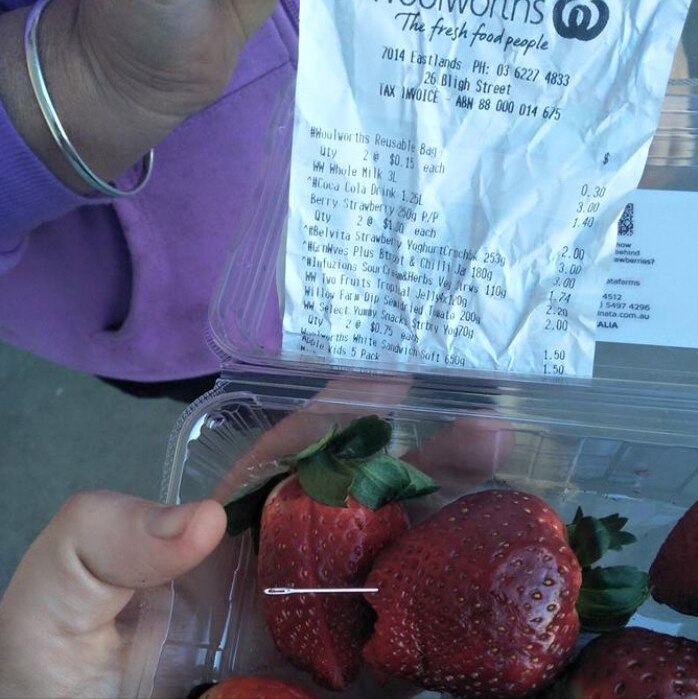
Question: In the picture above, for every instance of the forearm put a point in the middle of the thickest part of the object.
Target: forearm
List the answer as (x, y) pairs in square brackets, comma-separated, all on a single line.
[(109, 133)]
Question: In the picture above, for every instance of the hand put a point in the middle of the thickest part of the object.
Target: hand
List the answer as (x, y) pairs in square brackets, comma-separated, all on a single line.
[(122, 73), (169, 59), (62, 631)]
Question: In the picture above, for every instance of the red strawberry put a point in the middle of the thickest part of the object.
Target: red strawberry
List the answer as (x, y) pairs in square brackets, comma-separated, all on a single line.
[(324, 528), (306, 544), (254, 688), (633, 663), (479, 600), (674, 573)]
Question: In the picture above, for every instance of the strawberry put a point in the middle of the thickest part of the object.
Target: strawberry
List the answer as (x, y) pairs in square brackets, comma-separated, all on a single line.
[(307, 544), (480, 599), (322, 527), (674, 573), (634, 663), (253, 688)]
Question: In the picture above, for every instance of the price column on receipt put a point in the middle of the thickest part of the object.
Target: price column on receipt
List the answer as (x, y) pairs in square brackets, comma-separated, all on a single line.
[(456, 174)]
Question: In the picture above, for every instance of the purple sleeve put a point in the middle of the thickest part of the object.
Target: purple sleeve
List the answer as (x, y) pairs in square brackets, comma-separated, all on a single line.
[(29, 193)]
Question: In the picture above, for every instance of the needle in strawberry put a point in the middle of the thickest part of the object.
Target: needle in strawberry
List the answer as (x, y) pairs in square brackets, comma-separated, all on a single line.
[(324, 516)]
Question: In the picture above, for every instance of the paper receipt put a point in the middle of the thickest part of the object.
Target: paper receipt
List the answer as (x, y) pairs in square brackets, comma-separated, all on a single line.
[(458, 170)]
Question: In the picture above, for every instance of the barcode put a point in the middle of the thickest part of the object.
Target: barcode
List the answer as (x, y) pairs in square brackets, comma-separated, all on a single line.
[(626, 225)]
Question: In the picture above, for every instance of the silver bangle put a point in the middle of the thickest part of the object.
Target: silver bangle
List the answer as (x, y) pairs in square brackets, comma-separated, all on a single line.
[(36, 75)]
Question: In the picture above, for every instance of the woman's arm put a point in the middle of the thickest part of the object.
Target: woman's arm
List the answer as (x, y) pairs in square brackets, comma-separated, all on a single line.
[(110, 136), (122, 74)]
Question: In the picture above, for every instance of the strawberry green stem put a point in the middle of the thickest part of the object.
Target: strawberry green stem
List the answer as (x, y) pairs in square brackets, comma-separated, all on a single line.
[(348, 462), (608, 596)]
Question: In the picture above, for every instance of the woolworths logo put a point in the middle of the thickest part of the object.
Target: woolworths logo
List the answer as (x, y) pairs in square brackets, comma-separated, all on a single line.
[(580, 19)]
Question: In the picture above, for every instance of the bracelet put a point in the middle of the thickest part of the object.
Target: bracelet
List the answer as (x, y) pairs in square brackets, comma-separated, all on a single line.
[(48, 110)]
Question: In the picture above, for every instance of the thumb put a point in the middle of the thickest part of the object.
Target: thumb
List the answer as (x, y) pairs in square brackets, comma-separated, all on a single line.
[(83, 568)]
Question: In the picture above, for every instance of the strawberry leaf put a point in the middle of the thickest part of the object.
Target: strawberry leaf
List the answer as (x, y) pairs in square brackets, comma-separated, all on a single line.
[(343, 462), (591, 538), (325, 479), (359, 440), (315, 447), (610, 596), (245, 509), (384, 479), (362, 438)]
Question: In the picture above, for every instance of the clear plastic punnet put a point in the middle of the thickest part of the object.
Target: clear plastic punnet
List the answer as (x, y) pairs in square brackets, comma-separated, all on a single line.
[(624, 441), (573, 450)]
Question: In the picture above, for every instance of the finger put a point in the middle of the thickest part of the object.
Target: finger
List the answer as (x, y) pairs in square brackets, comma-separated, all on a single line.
[(83, 568)]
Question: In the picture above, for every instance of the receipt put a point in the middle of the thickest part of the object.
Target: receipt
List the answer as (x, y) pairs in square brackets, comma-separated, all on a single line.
[(458, 170)]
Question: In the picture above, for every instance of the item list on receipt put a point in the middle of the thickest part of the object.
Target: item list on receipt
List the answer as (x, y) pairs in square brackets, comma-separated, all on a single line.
[(454, 182)]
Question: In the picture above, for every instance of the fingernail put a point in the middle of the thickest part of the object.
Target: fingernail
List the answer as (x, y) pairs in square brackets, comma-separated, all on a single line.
[(169, 522)]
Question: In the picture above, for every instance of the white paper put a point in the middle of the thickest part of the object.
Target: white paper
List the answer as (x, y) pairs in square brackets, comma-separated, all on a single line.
[(650, 296), (457, 167)]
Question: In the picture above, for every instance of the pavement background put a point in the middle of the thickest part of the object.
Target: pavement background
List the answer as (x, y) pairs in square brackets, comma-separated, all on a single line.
[(63, 431)]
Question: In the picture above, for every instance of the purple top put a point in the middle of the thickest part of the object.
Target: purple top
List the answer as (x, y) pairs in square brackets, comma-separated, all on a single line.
[(122, 289)]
